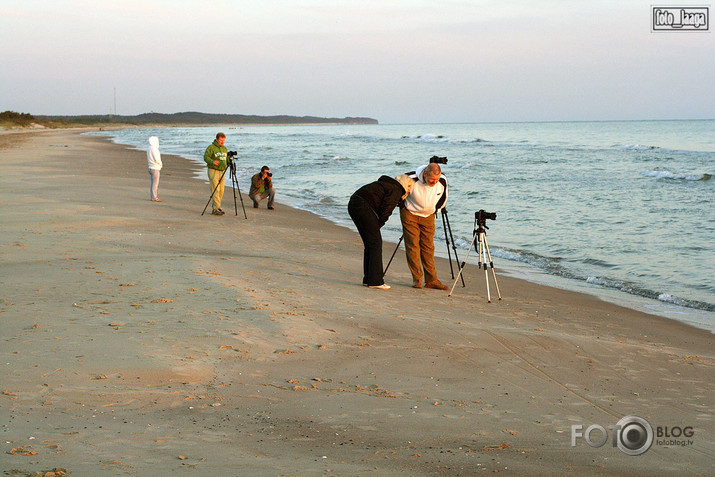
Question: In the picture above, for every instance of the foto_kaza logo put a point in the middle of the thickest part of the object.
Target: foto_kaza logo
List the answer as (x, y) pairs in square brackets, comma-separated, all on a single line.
[(680, 19), (633, 435)]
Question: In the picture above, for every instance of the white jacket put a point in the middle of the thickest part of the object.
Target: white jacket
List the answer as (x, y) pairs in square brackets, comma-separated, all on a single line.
[(153, 155), (424, 200)]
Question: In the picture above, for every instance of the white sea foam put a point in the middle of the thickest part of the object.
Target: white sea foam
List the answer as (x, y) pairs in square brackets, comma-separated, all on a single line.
[(667, 298), (638, 147), (436, 138), (663, 174)]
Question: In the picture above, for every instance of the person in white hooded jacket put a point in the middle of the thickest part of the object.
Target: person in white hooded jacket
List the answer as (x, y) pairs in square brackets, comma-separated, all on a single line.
[(428, 195), (154, 159)]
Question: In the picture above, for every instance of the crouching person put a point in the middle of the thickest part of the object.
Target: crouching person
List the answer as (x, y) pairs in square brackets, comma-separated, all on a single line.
[(262, 187)]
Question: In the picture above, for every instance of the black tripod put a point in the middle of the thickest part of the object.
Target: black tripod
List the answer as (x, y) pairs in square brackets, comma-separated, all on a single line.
[(480, 233), (448, 238), (234, 183)]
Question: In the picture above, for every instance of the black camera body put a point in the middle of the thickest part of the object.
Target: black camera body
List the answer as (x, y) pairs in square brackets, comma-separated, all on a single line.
[(437, 160), (482, 215), (268, 174), (229, 159)]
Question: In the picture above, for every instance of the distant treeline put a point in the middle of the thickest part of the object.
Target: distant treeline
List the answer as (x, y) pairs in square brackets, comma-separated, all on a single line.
[(196, 118), (19, 119)]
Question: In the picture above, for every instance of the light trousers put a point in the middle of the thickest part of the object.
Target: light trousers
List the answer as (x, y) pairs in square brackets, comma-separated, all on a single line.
[(217, 185), (154, 187)]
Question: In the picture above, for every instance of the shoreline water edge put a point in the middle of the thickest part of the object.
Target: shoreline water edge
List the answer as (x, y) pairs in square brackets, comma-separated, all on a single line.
[(142, 338), (562, 232)]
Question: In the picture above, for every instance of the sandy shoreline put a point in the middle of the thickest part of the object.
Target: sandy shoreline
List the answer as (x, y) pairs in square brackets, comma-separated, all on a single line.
[(141, 338)]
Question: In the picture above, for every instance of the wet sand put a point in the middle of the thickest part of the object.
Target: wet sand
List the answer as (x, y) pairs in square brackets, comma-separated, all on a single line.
[(141, 338)]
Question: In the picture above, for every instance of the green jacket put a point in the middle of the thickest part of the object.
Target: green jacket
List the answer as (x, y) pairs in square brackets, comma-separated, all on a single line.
[(216, 153)]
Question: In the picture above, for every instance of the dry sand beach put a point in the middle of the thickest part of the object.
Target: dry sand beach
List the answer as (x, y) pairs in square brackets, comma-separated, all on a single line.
[(142, 338)]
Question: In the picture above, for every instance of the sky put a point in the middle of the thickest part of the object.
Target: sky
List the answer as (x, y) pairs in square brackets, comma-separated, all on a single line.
[(398, 61)]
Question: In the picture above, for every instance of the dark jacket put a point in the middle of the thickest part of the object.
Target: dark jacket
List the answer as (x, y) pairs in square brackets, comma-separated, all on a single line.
[(256, 183), (383, 195)]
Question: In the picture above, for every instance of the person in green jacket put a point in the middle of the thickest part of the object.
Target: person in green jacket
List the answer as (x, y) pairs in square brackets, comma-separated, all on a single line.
[(216, 162)]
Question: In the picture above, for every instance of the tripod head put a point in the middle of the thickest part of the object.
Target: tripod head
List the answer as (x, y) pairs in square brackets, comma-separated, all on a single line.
[(231, 161)]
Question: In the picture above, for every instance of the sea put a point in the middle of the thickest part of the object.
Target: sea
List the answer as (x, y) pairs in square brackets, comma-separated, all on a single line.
[(624, 210)]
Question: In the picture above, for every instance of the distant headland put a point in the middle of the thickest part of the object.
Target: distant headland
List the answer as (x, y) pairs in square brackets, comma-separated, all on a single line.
[(11, 119)]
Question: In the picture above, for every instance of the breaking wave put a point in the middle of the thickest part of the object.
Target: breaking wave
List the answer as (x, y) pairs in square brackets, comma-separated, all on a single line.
[(674, 176)]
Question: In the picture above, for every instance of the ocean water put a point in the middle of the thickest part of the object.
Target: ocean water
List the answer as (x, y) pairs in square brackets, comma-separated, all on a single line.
[(624, 210)]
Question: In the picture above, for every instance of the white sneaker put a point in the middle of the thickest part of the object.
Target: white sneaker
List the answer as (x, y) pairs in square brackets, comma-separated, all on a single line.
[(384, 286)]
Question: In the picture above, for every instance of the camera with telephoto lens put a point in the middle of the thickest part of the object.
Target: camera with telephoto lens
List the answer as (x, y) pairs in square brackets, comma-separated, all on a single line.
[(482, 215), (437, 160)]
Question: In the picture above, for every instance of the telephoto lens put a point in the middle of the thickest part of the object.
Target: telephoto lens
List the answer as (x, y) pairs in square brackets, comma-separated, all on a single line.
[(483, 215)]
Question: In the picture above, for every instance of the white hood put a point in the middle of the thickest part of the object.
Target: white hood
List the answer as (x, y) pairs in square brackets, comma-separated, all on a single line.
[(153, 155)]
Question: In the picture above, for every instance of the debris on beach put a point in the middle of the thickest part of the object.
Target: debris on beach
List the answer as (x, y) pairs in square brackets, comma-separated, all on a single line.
[(22, 450)]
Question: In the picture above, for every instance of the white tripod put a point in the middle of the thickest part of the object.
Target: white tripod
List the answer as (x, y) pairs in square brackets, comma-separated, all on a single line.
[(480, 233)]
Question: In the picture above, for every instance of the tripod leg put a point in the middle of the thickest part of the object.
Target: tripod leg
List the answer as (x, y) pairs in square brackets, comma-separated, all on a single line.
[(454, 246), (234, 184), (242, 206), (464, 263), (393, 256), (483, 255), (446, 238), (491, 264), (237, 188)]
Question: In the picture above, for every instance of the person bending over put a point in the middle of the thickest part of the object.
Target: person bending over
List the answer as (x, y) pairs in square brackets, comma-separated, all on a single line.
[(370, 207), (262, 187)]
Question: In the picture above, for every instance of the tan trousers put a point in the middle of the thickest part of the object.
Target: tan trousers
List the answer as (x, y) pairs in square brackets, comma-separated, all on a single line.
[(419, 245), (214, 177)]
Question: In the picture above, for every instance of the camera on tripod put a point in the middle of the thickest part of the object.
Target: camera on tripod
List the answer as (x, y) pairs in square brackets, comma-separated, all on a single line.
[(482, 215), (231, 169), (437, 160), (229, 159), (479, 241)]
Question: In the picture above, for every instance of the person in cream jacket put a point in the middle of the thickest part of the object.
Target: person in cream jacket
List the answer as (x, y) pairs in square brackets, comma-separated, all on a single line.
[(154, 159)]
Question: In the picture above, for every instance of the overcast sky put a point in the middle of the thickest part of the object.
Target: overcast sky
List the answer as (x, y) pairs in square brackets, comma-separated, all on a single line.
[(399, 61)]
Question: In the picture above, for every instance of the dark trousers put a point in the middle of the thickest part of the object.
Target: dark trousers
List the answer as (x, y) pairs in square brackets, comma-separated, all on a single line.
[(369, 228)]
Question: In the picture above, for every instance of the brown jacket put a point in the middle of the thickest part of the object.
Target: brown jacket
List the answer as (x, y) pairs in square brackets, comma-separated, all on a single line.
[(256, 183)]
